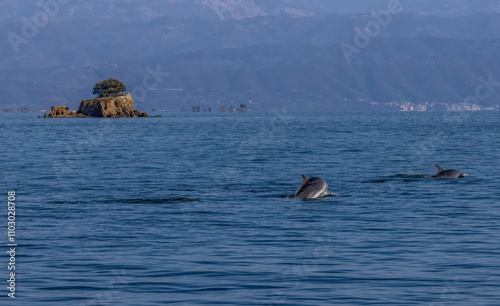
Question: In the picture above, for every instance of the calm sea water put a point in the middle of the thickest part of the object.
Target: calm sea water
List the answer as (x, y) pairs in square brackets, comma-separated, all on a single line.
[(197, 209)]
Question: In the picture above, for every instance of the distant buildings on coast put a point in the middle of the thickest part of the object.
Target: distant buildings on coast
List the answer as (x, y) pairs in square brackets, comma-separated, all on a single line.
[(222, 109), (407, 106), (399, 106), (455, 107), (21, 110)]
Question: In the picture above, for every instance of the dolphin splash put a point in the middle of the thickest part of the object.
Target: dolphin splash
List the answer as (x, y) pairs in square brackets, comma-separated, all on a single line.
[(311, 188), (447, 173)]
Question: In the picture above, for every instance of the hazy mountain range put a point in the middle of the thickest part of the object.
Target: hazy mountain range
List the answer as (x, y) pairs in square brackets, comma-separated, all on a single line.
[(239, 9), (275, 53)]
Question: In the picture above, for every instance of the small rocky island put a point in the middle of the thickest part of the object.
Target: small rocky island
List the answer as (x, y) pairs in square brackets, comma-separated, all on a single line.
[(110, 103)]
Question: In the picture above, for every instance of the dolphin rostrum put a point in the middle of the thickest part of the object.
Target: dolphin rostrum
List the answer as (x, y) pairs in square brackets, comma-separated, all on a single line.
[(447, 173), (311, 188)]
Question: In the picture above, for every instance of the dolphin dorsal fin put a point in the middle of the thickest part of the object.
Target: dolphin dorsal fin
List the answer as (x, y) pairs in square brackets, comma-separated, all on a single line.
[(304, 178), (439, 168)]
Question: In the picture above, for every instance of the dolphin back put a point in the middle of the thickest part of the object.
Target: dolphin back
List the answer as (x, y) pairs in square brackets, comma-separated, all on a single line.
[(311, 188), (447, 173)]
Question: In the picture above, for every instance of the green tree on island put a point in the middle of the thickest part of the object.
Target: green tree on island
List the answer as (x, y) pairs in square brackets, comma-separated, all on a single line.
[(108, 88)]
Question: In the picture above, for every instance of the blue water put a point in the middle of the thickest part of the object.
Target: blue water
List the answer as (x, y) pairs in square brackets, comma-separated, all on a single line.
[(198, 209)]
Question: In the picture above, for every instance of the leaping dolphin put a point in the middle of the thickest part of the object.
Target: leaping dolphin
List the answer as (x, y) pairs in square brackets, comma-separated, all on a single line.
[(447, 173), (311, 188)]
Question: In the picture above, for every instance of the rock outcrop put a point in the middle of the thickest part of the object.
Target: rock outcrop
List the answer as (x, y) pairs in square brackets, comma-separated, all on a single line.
[(122, 106), (58, 111), (62, 112), (108, 107)]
